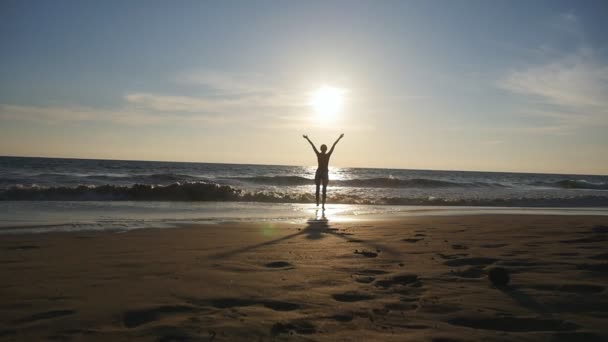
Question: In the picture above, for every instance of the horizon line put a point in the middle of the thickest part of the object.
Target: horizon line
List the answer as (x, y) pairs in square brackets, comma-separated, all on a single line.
[(345, 167)]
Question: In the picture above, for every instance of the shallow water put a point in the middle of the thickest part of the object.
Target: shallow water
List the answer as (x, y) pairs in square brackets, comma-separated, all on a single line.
[(64, 216)]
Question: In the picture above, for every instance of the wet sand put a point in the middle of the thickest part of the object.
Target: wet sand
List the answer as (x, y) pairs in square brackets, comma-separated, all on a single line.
[(419, 279)]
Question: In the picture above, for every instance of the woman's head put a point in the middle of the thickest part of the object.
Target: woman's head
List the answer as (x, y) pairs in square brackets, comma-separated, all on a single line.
[(323, 148)]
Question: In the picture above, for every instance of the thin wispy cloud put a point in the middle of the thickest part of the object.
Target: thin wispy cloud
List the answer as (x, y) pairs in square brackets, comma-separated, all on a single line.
[(576, 81), (233, 97), (82, 114), (74, 114), (568, 90), (227, 93), (210, 104), (224, 82)]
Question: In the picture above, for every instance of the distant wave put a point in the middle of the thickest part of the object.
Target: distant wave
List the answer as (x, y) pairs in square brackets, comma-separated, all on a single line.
[(276, 180), (160, 178), (364, 182), (410, 183), (573, 184), (137, 192), (70, 179), (202, 191)]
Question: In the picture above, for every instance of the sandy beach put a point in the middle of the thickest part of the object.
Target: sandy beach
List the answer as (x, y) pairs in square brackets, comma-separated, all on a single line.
[(418, 279), (259, 170)]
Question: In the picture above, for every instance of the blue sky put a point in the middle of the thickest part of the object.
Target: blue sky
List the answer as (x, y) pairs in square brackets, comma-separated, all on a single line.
[(467, 85)]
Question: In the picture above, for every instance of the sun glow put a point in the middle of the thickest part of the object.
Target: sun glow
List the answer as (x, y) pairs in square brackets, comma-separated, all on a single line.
[(327, 102)]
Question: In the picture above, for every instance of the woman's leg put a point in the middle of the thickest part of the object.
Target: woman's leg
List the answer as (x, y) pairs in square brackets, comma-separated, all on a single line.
[(318, 184), (325, 181)]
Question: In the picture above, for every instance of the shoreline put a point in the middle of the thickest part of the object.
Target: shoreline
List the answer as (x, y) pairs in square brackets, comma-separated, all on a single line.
[(415, 278), (60, 216)]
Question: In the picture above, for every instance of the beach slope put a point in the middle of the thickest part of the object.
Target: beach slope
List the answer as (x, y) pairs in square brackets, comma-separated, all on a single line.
[(418, 278)]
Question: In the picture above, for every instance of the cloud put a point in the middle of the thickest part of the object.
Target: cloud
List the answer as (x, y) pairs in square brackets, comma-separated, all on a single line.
[(567, 88), (52, 114), (228, 98), (571, 90), (80, 114), (172, 103), (228, 82), (210, 104), (223, 92), (575, 81)]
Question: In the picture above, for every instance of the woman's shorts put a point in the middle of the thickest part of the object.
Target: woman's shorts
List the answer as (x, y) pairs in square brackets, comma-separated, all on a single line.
[(322, 177)]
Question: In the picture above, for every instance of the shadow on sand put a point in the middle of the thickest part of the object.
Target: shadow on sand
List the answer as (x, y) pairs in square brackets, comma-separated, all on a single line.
[(316, 228), (525, 300)]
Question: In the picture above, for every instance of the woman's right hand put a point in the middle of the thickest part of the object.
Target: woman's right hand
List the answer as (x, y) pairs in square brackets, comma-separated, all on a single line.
[(304, 136)]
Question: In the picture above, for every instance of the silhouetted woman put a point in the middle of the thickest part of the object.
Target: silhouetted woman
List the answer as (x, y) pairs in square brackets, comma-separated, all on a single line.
[(322, 177)]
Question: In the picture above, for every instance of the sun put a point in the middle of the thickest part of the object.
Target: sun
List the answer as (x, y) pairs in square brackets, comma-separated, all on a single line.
[(327, 102)]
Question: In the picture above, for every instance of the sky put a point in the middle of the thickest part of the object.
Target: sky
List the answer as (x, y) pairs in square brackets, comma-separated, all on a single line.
[(452, 85)]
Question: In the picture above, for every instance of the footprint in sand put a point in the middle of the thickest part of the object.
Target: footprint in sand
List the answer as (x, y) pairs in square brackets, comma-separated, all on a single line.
[(452, 256), (280, 306), (351, 296), (370, 272), (366, 254), (400, 306), (459, 246), (402, 279), (134, 318), (411, 240), (470, 262), (226, 303), (364, 279), (473, 272), (279, 264), (494, 245)]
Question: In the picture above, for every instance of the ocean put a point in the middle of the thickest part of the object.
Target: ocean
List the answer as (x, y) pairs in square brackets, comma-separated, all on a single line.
[(57, 191)]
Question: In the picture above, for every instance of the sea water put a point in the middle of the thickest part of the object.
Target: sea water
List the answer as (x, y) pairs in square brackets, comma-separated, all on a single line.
[(54, 192)]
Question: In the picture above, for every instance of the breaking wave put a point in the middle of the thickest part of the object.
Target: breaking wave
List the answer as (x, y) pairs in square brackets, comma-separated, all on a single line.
[(364, 182), (203, 191), (161, 178), (574, 184), (138, 192)]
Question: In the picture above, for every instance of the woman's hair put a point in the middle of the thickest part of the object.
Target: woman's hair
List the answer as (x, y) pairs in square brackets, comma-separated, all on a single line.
[(323, 147)]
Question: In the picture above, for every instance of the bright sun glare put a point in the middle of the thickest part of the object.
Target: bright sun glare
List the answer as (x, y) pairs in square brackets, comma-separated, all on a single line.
[(327, 102)]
